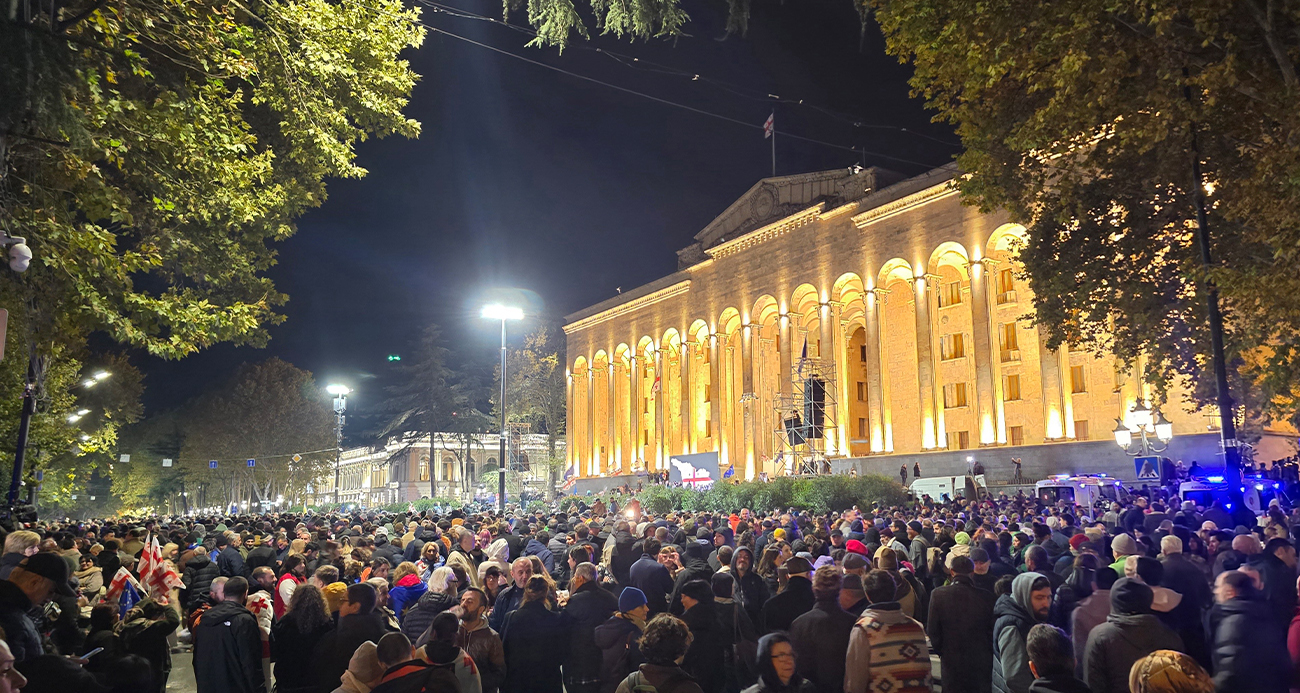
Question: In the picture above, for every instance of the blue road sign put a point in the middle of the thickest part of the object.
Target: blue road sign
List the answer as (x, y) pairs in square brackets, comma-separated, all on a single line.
[(252, 463), (212, 464)]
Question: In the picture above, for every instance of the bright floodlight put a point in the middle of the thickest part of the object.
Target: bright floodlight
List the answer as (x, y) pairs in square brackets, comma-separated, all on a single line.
[(338, 390), (101, 375), (496, 311), (1123, 435)]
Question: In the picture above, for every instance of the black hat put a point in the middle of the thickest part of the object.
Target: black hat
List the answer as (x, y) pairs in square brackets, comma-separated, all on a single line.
[(50, 567), (1129, 596)]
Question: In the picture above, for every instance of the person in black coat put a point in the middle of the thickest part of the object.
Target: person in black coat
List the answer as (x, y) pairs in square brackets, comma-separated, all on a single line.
[(386, 550), (695, 566), (651, 577), (1248, 645), (624, 553), (229, 561), (359, 621), (960, 626), (294, 639), (200, 571), (535, 643), (711, 642), (109, 561), (589, 606), (751, 589), (228, 645), (144, 632), (618, 639), (263, 555), (797, 599), (821, 636)]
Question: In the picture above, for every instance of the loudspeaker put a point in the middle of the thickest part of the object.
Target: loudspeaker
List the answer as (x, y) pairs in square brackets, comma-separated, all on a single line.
[(794, 431), (814, 407)]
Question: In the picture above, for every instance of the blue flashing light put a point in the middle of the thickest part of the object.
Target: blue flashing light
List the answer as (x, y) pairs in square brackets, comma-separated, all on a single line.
[(1259, 487), (1214, 479)]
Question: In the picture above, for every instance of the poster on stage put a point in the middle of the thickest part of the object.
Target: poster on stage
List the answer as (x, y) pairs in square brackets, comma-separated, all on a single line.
[(698, 471)]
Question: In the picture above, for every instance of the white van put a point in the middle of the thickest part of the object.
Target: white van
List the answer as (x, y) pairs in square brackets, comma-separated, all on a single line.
[(1256, 492), (954, 487), (1083, 490)]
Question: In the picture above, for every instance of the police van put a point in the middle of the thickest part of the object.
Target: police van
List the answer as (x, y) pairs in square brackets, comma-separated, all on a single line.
[(953, 487), (1084, 489), (1256, 492)]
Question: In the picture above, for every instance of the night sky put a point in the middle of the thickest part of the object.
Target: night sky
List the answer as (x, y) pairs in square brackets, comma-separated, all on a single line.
[(557, 189)]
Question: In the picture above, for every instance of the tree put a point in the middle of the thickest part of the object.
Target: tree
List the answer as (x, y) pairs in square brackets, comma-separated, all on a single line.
[(151, 151), (434, 400), (537, 391), (1083, 120), (269, 412)]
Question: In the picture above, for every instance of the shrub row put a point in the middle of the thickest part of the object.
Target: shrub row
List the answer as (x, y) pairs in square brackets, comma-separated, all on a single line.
[(820, 495)]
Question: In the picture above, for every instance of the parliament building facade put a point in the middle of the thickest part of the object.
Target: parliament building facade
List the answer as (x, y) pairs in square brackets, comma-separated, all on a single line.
[(905, 304)]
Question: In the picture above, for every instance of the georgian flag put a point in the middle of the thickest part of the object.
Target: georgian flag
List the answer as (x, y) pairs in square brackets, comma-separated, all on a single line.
[(155, 572), (124, 590), (769, 125)]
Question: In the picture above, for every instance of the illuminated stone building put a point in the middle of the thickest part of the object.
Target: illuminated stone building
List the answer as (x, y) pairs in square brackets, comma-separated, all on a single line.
[(909, 300)]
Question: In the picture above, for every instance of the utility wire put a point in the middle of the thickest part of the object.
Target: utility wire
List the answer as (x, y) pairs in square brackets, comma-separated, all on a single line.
[(666, 102)]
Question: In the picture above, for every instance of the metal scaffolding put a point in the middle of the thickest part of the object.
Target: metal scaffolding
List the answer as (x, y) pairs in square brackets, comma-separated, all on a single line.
[(803, 418)]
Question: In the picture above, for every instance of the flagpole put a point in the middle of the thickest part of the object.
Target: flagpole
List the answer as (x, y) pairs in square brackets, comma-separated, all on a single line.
[(774, 144)]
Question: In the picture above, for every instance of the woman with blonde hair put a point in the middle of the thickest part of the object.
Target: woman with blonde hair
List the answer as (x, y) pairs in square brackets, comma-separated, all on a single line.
[(430, 558)]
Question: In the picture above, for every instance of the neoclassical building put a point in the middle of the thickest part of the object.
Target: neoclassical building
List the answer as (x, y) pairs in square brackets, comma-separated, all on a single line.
[(904, 302)]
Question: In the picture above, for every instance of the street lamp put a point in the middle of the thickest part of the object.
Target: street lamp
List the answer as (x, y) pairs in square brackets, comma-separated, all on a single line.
[(496, 311), (340, 393), (1151, 427)]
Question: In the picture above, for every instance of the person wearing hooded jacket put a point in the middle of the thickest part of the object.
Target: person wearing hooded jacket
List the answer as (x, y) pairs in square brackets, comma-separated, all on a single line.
[(533, 547), (498, 554), (386, 550), (618, 639), (364, 671), (710, 640), (439, 596), (1130, 633), (695, 566), (777, 667), (441, 651), (1014, 614), (751, 589), (1248, 645), (407, 589), (589, 606)]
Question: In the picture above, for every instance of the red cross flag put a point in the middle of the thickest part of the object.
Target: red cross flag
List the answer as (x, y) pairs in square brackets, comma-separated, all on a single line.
[(769, 125), (156, 573)]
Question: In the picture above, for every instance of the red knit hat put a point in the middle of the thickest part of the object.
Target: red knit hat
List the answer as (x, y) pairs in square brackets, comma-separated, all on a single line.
[(855, 546), (1078, 540)]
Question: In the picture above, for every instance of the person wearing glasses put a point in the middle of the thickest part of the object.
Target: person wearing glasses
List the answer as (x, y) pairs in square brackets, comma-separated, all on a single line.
[(777, 665)]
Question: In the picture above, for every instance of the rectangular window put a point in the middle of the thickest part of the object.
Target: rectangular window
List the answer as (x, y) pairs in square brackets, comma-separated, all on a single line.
[(862, 392), (1010, 388), (1016, 435), (954, 395), (708, 393), (1078, 381), (950, 294), (1006, 287), (952, 346), (1007, 337), (958, 440), (424, 470), (708, 428), (447, 471), (862, 351), (862, 428), (1081, 430)]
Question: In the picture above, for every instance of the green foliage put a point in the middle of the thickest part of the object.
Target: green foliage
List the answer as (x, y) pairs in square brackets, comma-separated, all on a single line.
[(423, 504), (821, 494), (537, 394), (1081, 118), (151, 152)]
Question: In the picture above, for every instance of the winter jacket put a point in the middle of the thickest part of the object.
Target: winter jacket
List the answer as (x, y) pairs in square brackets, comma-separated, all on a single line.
[(484, 647), (710, 646), (620, 651), (445, 654), (9, 561), (1013, 617), (406, 592), (694, 567), (589, 606), (623, 556), (798, 684), (1067, 684), (498, 554), (20, 631), (420, 615), (263, 555), (887, 652), (90, 582), (387, 551), (1114, 646), (411, 552), (781, 610), (292, 650), (960, 626), (148, 638), (228, 650), (1249, 648), (751, 591), (507, 600), (231, 564), (535, 644), (1089, 614), (652, 578), (821, 641), (459, 557), (664, 679), (198, 577), (337, 646), (418, 676), (535, 548), (1279, 585)]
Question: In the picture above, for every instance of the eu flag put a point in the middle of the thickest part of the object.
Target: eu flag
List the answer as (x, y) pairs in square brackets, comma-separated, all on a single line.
[(129, 598)]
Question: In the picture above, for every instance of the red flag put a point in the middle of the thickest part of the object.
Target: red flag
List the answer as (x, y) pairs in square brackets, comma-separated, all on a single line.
[(119, 583), (155, 572), (769, 125)]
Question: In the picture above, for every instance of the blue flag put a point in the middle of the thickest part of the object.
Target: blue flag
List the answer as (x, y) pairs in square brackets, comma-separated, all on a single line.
[(128, 599), (731, 471)]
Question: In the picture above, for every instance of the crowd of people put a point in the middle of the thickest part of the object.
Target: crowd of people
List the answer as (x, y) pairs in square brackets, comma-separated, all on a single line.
[(1006, 595)]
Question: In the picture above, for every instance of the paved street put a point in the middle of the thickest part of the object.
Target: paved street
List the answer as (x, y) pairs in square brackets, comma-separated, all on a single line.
[(182, 677)]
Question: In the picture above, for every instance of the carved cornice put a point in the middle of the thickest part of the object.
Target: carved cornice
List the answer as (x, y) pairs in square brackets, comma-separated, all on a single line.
[(766, 233), (904, 204), (629, 307)]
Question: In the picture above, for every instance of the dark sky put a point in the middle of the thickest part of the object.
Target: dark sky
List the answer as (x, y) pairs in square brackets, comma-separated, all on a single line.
[(533, 180)]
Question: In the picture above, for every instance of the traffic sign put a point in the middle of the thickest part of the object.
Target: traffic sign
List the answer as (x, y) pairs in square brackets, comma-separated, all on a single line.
[(297, 458), (252, 463), (124, 458), (167, 461), (212, 464)]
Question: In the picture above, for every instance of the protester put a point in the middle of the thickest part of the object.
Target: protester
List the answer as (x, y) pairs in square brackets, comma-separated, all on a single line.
[(294, 639), (534, 640), (406, 672), (1130, 633), (589, 606), (144, 632), (1015, 613), (960, 626), (228, 645), (778, 667), (1051, 661), (1247, 642), (481, 643), (618, 639), (357, 622), (442, 651), (820, 637), (32, 583), (887, 649), (796, 599), (663, 645), (1167, 671)]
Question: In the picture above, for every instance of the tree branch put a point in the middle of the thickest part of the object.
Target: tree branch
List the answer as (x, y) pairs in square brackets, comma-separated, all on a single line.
[(62, 27), (1264, 19)]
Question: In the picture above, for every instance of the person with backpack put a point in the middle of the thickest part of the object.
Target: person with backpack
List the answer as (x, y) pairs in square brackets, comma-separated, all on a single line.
[(663, 644), (406, 672), (618, 639), (442, 651)]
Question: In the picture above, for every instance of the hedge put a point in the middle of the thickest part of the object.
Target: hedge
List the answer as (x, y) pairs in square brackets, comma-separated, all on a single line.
[(819, 494)]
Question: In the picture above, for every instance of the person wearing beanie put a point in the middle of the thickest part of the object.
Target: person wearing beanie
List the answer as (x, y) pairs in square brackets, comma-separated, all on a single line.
[(1130, 633), (710, 637), (960, 626), (795, 600), (917, 548), (855, 546), (1167, 671), (907, 597), (821, 636), (1122, 546), (852, 598), (618, 639)]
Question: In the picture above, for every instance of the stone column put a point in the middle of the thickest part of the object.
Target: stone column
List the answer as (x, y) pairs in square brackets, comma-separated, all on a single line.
[(634, 407), (930, 425), (571, 414), (608, 463), (875, 376), (749, 339), (985, 390), (688, 398), (715, 396), (592, 444), (1067, 392), (786, 356), (660, 428), (1050, 370)]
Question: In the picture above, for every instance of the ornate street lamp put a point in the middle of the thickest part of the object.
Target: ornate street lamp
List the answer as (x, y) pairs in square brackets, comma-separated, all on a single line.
[(1152, 430)]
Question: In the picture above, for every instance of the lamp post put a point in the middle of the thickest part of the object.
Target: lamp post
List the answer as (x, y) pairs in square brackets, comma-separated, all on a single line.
[(1153, 432), (496, 311), (340, 393)]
